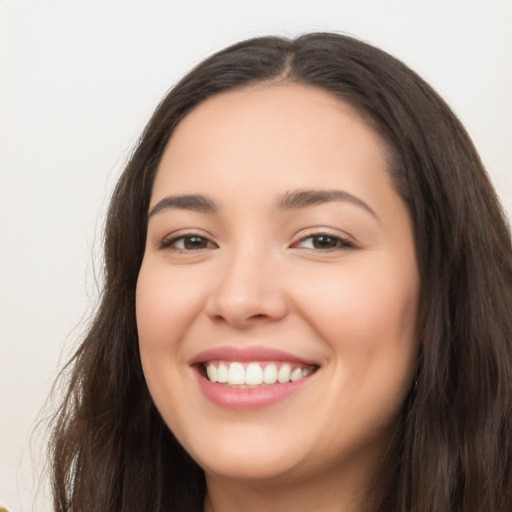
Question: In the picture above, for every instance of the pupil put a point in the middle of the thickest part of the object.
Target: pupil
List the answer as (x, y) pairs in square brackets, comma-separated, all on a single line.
[(325, 242), (194, 242)]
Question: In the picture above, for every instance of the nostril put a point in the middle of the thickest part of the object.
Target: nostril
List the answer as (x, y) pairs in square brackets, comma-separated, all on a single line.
[(256, 317)]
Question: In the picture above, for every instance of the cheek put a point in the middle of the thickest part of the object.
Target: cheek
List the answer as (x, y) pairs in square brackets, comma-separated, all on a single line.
[(361, 299), (368, 317), (166, 304)]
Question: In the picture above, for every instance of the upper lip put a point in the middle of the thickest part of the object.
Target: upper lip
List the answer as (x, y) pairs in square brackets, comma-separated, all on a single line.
[(248, 354)]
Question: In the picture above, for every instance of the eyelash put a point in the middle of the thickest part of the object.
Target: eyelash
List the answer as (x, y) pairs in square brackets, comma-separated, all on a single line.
[(169, 243), (341, 243)]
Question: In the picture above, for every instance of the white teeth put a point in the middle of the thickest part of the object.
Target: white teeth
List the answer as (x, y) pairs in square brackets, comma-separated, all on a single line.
[(270, 374), (255, 374), (307, 371), (212, 372), (236, 374), (222, 373), (296, 374), (283, 375)]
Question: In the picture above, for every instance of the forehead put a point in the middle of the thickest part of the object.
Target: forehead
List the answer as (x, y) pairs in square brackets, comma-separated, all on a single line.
[(275, 136)]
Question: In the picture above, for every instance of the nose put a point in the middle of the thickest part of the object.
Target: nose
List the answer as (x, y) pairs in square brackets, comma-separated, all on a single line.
[(249, 290)]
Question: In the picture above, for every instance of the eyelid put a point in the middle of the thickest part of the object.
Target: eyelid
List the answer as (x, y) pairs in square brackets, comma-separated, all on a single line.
[(347, 242), (165, 243)]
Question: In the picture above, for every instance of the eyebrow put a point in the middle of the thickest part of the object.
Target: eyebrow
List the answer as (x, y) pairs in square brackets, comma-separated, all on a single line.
[(193, 202), (288, 201), (310, 197)]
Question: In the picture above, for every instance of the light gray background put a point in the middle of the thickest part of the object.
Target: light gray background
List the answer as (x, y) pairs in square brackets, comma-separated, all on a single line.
[(78, 81)]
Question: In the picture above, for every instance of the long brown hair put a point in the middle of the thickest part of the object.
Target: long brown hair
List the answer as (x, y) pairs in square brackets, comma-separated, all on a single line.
[(111, 450)]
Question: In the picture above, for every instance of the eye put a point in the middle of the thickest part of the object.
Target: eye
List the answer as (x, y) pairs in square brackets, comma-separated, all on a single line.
[(187, 243), (323, 242)]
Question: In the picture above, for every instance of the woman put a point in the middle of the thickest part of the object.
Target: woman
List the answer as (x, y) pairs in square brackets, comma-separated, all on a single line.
[(308, 286)]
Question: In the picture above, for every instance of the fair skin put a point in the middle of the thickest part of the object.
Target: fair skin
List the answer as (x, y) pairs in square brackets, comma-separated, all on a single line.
[(270, 258)]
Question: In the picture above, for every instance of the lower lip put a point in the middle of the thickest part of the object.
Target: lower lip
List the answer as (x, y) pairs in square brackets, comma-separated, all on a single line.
[(249, 399)]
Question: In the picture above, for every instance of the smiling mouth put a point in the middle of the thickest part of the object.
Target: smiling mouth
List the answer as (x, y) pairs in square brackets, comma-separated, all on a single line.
[(249, 375)]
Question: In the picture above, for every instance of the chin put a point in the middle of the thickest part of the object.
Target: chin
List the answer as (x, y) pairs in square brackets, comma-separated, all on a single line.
[(247, 458)]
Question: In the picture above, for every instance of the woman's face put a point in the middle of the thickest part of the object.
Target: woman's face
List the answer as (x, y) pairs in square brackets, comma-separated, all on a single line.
[(277, 248)]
